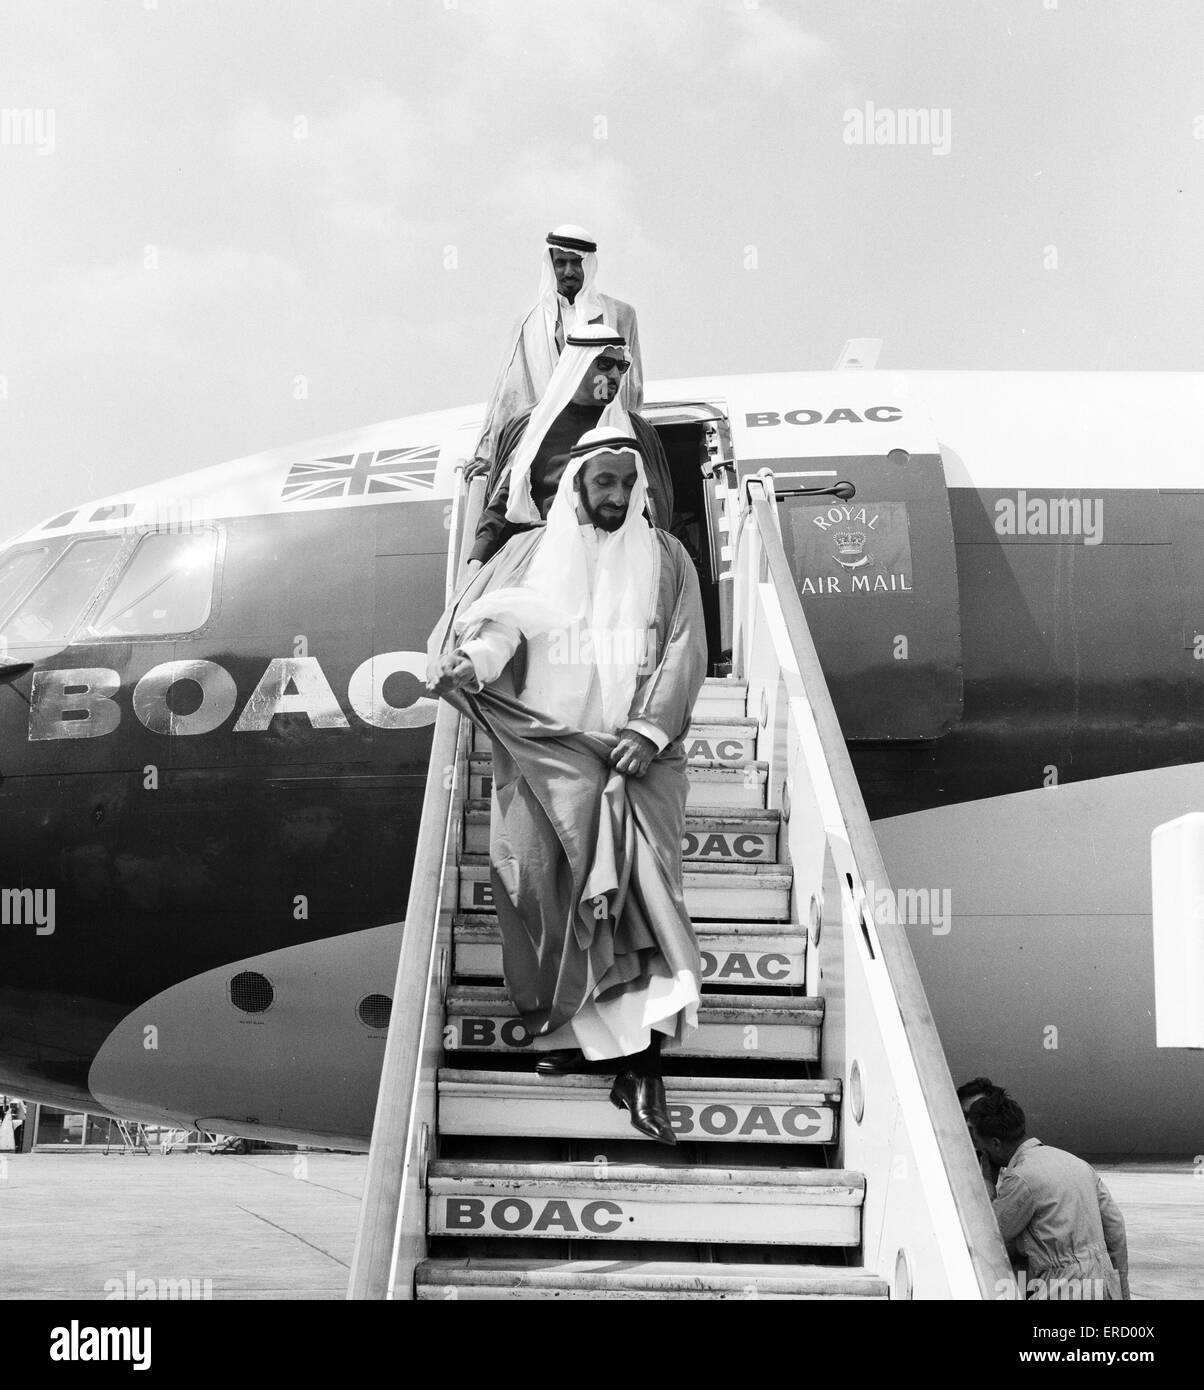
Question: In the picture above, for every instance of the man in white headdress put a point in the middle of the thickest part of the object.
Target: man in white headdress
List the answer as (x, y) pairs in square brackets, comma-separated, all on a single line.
[(584, 392), (580, 648), (568, 300)]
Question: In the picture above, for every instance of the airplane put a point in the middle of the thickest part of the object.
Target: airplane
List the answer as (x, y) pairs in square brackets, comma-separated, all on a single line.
[(214, 734)]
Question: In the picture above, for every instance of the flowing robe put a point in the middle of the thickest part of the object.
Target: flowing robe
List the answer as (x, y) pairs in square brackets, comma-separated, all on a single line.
[(597, 946), (493, 530), (528, 365)]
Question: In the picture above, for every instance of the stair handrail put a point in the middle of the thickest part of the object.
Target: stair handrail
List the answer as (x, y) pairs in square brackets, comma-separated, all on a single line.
[(396, 1137), (767, 554)]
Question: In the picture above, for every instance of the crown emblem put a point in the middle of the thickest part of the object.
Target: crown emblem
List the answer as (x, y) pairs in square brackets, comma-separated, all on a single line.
[(850, 549)]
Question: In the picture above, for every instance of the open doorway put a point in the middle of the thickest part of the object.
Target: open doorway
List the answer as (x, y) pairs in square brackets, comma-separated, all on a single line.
[(685, 446)]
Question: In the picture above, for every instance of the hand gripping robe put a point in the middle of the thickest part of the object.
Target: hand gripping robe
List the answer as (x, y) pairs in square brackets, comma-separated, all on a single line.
[(586, 863), (537, 340)]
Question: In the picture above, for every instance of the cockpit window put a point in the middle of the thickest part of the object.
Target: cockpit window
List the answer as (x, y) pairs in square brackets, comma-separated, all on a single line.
[(51, 611), (167, 587), (17, 573), (151, 584)]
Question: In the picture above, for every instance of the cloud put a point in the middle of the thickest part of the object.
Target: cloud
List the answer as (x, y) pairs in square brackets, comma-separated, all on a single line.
[(371, 173), (552, 44), (555, 44), (773, 49), (560, 181), (509, 135), (373, 143), (163, 300)]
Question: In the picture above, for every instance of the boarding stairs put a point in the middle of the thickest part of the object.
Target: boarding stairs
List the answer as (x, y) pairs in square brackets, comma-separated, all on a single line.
[(130, 1134), (810, 1161)]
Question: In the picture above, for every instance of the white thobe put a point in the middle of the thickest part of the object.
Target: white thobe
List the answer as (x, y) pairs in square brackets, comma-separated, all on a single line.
[(567, 689)]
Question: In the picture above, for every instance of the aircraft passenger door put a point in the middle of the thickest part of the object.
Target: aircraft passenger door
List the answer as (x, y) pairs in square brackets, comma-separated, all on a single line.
[(696, 439), (877, 574)]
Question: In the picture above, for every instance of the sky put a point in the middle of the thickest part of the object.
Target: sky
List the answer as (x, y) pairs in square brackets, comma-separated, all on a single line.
[(235, 224)]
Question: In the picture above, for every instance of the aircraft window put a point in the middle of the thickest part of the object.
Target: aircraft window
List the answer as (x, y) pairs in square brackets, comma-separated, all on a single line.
[(17, 572), (50, 613), (166, 587)]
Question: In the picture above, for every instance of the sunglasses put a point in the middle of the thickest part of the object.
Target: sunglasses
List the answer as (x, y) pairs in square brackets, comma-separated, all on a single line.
[(610, 364)]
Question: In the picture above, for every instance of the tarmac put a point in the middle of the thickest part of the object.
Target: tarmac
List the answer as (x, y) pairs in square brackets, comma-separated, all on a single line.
[(282, 1226)]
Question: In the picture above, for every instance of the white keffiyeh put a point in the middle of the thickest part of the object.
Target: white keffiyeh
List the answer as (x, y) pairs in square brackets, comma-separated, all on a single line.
[(613, 613), (580, 350)]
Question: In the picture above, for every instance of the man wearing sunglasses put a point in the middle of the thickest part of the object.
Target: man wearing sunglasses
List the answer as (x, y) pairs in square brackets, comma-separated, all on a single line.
[(583, 394), (567, 301)]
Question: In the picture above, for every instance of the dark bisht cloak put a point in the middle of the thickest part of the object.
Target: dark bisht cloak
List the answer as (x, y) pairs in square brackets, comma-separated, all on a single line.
[(493, 529)]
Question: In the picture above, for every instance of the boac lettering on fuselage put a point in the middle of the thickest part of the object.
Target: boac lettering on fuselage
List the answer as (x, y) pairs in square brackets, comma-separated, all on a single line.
[(842, 415), (81, 702)]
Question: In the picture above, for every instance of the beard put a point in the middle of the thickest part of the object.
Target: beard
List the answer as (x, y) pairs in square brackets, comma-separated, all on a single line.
[(604, 521)]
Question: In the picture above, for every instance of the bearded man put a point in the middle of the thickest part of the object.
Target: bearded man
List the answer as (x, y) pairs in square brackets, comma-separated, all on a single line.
[(580, 649), (567, 301), (584, 392)]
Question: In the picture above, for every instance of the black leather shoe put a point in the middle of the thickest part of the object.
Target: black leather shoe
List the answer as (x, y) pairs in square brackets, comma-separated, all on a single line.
[(562, 1062), (643, 1097)]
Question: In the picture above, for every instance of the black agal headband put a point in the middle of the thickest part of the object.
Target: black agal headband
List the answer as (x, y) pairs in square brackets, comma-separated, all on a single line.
[(571, 243), (620, 444), (608, 340)]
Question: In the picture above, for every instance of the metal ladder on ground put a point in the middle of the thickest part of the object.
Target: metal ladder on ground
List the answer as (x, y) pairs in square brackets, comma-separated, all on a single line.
[(132, 1136), (821, 1153)]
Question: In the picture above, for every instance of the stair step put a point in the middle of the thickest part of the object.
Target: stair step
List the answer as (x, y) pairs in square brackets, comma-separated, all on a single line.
[(721, 697), (719, 1109), (733, 953), (730, 740), (620, 1201), (723, 891), (481, 1018), (732, 835), (660, 1279), (711, 782), (721, 833)]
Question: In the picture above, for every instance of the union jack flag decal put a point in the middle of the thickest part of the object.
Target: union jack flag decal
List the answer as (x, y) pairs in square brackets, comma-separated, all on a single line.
[(357, 475)]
